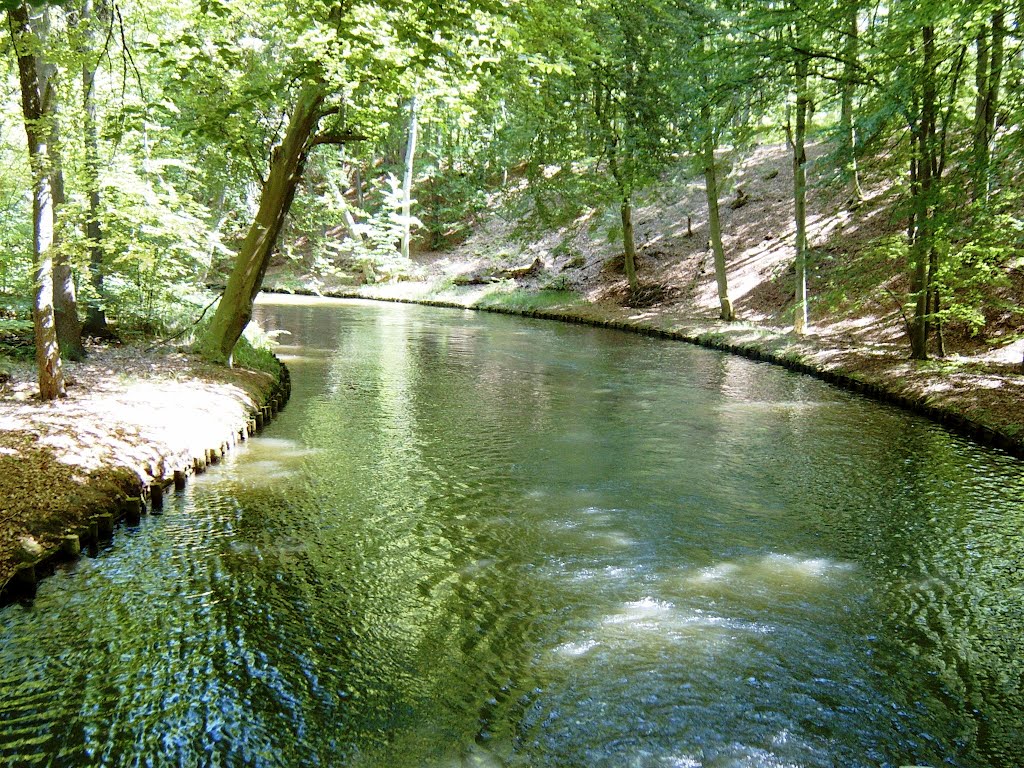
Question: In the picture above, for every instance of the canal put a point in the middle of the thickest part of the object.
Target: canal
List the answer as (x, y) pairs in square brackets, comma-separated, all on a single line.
[(476, 540)]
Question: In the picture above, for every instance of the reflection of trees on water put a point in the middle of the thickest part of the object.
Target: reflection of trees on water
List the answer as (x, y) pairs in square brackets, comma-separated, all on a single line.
[(903, 498), (482, 525)]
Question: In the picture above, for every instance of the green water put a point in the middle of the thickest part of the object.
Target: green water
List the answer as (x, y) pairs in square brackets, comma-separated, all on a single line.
[(472, 540)]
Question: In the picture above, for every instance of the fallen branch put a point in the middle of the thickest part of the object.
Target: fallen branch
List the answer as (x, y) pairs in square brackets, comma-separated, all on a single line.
[(182, 332)]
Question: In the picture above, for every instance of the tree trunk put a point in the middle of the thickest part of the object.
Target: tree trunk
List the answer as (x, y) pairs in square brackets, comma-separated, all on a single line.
[(96, 316), (410, 157), (626, 217), (628, 243), (800, 194), (65, 299), (988, 81), (921, 249), (65, 302), (286, 166), (359, 187), (851, 48), (48, 363), (980, 133), (714, 221)]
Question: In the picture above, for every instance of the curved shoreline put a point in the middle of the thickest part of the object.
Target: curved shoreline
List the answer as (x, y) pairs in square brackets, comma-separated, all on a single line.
[(130, 492), (757, 343)]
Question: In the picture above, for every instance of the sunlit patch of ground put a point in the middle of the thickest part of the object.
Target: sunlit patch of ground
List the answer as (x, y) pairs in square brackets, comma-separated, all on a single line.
[(128, 414)]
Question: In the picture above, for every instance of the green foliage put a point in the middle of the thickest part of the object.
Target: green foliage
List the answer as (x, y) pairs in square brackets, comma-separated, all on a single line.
[(156, 242), (522, 299), (451, 203), (15, 329), (974, 257), (577, 105), (374, 250), (255, 350)]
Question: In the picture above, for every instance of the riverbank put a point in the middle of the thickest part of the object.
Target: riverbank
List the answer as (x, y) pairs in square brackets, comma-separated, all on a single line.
[(857, 335), (132, 420), (978, 395)]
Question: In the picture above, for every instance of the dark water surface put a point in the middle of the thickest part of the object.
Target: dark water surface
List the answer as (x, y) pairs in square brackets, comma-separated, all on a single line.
[(472, 540)]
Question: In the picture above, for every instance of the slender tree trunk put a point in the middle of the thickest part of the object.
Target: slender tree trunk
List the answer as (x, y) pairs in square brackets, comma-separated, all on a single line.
[(220, 215), (851, 50), (995, 78), (936, 308), (988, 81), (628, 243), (714, 221), (65, 301), (410, 158), (921, 250), (980, 138), (800, 193), (48, 363), (286, 167), (626, 217), (96, 316), (359, 187)]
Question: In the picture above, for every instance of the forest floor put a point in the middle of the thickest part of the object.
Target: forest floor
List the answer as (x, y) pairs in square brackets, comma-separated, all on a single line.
[(131, 417), (857, 335)]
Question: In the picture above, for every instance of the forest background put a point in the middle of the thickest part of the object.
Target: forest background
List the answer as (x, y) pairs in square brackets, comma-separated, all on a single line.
[(174, 149)]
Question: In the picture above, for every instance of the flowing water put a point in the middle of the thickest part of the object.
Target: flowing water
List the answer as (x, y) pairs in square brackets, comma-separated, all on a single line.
[(474, 540)]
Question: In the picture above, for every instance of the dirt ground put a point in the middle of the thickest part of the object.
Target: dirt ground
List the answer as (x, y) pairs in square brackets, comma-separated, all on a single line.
[(131, 417)]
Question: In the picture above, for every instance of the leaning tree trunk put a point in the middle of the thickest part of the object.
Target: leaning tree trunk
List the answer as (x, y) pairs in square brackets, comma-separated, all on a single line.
[(51, 377), (800, 195), (286, 166), (714, 220)]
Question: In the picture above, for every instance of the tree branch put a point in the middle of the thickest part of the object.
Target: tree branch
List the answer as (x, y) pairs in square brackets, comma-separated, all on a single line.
[(336, 137)]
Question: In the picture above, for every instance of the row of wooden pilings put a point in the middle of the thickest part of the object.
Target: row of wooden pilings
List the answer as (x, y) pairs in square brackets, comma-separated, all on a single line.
[(128, 510)]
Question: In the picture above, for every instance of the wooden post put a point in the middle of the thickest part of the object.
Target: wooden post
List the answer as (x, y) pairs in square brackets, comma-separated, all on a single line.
[(199, 464), (70, 545), (133, 510), (24, 581), (156, 496), (179, 479), (105, 526)]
